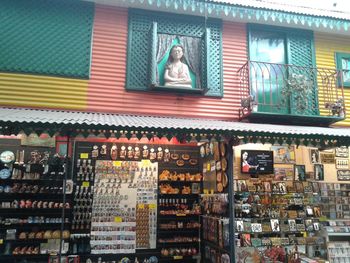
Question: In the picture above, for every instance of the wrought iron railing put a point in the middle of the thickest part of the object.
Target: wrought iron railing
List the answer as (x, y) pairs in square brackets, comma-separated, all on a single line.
[(291, 90)]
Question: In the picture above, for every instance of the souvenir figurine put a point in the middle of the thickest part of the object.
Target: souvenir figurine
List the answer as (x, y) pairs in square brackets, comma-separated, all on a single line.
[(137, 153), (202, 151), (94, 152), (145, 152), (130, 152), (114, 152), (103, 150), (122, 154), (35, 157), (207, 149), (166, 155), (153, 154), (160, 154)]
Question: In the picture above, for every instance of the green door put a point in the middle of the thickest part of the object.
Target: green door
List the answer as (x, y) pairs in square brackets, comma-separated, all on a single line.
[(267, 51)]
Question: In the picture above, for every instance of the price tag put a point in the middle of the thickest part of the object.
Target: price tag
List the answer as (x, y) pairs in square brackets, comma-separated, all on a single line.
[(117, 163), (118, 219), (323, 219), (212, 191), (84, 156), (146, 162), (208, 167), (180, 214), (304, 234), (152, 206), (205, 191), (86, 184), (141, 206), (1, 241), (178, 257)]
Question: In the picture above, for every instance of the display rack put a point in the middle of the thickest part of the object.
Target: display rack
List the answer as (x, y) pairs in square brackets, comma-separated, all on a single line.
[(180, 184), (276, 213), (31, 204), (93, 161), (83, 178), (338, 252), (336, 229), (335, 199), (215, 203)]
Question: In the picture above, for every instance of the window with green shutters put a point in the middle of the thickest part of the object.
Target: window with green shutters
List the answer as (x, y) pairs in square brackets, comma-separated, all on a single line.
[(146, 59), (343, 64), (274, 46)]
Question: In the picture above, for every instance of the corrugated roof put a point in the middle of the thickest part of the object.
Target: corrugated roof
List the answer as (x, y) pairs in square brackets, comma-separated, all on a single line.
[(274, 12), (298, 7), (61, 119)]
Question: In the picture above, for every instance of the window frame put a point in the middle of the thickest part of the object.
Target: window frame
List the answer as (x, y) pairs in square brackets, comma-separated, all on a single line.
[(211, 34), (291, 37), (338, 58)]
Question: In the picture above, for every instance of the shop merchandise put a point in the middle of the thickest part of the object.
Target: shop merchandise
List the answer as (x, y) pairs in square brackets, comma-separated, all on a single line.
[(215, 204), (339, 252), (124, 192), (164, 203), (121, 190), (32, 202), (283, 211)]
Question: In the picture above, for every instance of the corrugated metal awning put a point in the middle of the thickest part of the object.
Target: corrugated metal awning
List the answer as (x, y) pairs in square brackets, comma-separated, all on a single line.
[(298, 7), (17, 119)]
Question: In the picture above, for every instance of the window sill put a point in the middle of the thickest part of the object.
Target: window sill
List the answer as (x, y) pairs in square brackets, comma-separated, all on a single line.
[(178, 89)]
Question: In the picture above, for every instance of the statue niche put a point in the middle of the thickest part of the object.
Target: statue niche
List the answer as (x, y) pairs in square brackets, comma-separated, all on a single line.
[(177, 73)]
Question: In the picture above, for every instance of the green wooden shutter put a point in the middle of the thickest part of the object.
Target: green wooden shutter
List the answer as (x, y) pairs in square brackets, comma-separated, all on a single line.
[(138, 52), (153, 56), (301, 53), (214, 61)]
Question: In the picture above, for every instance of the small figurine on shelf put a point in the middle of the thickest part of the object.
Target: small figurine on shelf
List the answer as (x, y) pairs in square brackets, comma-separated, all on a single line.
[(145, 152), (137, 153), (294, 256), (130, 152), (114, 152), (122, 154), (103, 150), (94, 152)]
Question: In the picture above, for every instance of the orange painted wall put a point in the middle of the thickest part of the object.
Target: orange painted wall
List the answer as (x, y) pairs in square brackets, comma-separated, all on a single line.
[(106, 89)]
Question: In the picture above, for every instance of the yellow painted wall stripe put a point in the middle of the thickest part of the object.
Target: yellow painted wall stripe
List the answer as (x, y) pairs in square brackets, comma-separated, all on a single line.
[(325, 47), (42, 91)]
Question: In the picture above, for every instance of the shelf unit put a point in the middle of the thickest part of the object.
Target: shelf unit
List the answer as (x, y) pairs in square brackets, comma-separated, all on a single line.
[(32, 205), (215, 202), (276, 218), (177, 239), (83, 179)]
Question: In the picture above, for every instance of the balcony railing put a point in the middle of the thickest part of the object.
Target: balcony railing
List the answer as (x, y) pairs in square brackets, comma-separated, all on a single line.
[(282, 89)]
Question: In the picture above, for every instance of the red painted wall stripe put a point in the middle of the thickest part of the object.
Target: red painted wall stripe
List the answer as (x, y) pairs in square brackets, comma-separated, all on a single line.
[(106, 91), (234, 56)]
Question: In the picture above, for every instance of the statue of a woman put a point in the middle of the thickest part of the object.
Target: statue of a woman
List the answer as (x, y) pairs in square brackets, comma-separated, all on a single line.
[(177, 73)]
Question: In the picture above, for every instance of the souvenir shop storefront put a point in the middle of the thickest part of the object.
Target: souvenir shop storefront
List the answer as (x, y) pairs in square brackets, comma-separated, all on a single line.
[(93, 187)]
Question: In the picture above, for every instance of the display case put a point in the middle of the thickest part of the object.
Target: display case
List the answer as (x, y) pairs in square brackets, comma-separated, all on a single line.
[(215, 203), (180, 186), (128, 197), (35, 203), (271, 214), (338, 252)]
